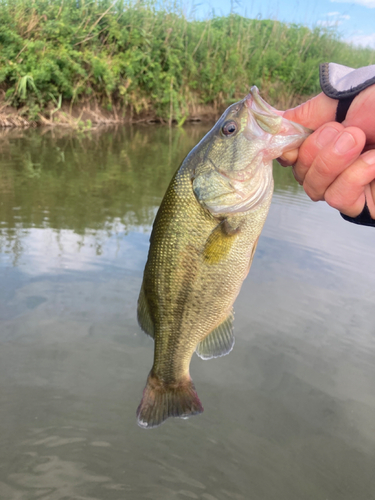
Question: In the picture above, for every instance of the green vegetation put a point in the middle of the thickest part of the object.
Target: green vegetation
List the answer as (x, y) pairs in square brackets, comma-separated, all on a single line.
[(145, 57)]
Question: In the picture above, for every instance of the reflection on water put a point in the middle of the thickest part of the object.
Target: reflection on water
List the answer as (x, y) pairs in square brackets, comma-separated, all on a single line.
[(289, 414)]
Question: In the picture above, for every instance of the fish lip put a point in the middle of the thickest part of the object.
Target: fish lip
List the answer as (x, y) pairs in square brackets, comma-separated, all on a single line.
[(258, 107), (254, 98), (254, 102)]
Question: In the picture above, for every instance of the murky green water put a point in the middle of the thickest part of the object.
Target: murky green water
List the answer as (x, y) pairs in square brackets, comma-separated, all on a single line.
[(289, 414)]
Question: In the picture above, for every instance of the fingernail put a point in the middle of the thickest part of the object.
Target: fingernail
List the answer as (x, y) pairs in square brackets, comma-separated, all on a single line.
[(344, 143), (369, 157), (326, 136)]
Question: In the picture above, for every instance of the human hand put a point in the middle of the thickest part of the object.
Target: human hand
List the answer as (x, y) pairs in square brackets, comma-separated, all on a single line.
[(330, 164)]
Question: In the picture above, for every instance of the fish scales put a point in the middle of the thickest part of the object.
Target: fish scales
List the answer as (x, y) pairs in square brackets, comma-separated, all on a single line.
[(202, 244)]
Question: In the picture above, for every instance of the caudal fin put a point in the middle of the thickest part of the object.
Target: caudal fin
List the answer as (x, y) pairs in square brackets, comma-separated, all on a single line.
[(161, 401)]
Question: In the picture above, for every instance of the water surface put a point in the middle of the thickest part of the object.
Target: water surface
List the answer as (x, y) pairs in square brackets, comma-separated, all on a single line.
[(289, 414)]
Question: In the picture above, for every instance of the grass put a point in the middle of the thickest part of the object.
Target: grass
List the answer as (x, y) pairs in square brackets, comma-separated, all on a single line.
[(137, 58)]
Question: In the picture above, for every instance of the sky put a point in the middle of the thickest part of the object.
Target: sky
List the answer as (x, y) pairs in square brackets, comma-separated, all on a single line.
[(354, 19)]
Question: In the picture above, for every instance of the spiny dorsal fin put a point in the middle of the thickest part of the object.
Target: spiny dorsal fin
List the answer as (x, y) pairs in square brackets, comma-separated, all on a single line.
[(219, 342), (143, 314)]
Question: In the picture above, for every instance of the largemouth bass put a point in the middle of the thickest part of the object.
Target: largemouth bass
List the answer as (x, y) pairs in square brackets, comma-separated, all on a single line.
[(201, 248)]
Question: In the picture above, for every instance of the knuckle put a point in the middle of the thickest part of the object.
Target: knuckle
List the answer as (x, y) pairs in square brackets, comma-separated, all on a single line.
[(333, 199), (322, 166), (311, 151), (311, 193), (305, 159), (305, 111), (299, 177)]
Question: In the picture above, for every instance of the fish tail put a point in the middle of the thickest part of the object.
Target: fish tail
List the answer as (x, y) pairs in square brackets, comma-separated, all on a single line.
[(161, 400)]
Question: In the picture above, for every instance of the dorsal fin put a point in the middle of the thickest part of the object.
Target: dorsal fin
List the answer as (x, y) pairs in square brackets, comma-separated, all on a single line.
[(219, 342), (143, 314)]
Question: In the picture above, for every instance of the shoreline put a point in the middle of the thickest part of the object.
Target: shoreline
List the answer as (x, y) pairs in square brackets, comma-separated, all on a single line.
[(86, 117)]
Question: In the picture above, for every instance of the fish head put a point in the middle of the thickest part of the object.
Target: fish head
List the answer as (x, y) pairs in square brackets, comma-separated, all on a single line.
[(233, 162)]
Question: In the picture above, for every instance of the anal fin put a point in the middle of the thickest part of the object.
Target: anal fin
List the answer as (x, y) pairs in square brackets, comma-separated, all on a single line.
[(219, 342), (143, 314)]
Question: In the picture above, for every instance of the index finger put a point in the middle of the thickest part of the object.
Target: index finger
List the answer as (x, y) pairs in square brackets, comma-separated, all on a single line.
[(314, 112)]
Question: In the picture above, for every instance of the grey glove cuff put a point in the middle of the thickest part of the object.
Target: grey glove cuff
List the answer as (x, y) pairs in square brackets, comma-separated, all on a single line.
[(343, 83), (340, 82)]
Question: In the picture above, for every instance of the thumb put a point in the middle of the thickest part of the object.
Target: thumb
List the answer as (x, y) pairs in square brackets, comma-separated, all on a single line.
[(313, 113)]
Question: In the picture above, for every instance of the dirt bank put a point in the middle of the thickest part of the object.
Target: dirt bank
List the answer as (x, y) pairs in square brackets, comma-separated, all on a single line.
[(84, 116)]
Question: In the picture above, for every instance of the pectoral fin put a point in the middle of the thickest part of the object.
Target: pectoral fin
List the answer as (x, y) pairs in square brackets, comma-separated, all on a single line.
[(143, 314), (220, 241), (219, 342)]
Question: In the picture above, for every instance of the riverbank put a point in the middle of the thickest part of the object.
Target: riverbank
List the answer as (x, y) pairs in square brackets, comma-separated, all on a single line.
[(87, 63), (86, 116)]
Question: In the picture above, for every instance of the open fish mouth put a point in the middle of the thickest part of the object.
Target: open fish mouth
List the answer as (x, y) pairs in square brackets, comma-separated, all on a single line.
[(253, 99), (242, 181), (267, 119), (270, 120)]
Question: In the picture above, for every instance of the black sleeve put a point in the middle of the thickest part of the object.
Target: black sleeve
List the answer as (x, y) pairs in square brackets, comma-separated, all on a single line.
[(364, 218), (344, 84)]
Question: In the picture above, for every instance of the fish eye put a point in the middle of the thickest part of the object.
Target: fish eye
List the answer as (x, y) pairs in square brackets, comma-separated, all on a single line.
[(229, 128)]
